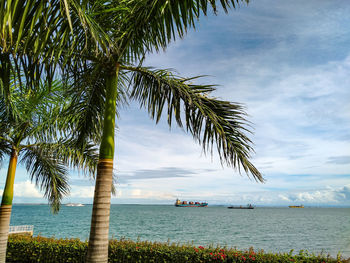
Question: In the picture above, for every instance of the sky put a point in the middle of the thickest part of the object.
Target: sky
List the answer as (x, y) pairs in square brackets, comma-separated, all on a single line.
[(288, 62)]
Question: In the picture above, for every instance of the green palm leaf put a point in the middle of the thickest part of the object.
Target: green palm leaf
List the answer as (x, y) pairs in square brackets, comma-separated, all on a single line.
[(40, 37), (36, 124), (88, 94), (211, 121), (48, 173)]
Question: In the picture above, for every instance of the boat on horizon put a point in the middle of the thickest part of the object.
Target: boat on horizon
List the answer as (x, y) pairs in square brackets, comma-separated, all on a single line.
[(179, 203), (249, 206), (74, 204), (296, 206)]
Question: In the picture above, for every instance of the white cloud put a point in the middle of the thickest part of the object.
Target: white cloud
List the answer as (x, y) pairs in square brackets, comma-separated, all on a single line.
[(148, 194), (324, 196), (26, 189), (82, 191), (284, 197)]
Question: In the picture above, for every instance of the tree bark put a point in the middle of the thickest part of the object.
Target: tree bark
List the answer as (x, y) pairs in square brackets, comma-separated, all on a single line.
[(98, 241), (6, 205)]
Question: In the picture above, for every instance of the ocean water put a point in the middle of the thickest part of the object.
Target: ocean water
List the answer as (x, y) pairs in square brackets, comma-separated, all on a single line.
[(317, 230)]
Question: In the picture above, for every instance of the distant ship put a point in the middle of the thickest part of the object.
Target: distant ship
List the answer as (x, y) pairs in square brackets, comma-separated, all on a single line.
[(296, 206), (249, 206), (74, 204), (179, 203)]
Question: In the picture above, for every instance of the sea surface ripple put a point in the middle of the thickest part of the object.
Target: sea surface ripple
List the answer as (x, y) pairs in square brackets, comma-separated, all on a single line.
[(317, 230)]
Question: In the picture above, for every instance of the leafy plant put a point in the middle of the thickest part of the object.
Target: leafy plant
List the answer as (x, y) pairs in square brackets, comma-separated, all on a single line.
[(41, 249)]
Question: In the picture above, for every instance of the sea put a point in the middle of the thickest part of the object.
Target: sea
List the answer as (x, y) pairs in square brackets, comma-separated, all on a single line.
[(272, 229)]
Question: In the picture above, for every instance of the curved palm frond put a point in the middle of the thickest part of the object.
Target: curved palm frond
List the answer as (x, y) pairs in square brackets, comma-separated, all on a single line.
[(72, 156), (45, 111), (210, 120), (40, 132), (88, 93), (86, 108), (48, 173), (38, 38), (136, 27)]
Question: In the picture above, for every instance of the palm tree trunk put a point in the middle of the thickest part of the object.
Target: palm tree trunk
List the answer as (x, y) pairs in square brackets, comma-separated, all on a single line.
[(98, 241), (6, 205)]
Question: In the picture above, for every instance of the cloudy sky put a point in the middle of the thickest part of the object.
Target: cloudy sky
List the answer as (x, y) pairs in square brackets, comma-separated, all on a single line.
[(289, 63)]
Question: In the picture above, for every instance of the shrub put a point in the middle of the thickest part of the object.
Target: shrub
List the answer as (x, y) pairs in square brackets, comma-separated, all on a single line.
[(41, 249)]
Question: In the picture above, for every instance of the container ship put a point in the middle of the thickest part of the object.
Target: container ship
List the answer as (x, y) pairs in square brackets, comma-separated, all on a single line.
[(179, 203)]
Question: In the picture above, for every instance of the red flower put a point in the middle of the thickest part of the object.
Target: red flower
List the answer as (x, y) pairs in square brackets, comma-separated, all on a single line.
[(243, 258), (200, 247)]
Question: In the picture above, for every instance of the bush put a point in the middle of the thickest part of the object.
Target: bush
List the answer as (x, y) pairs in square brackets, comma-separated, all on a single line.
[(41, 249)]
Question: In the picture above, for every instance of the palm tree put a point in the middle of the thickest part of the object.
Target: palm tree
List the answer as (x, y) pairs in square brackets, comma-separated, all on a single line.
[(99, 82), (33, 131)]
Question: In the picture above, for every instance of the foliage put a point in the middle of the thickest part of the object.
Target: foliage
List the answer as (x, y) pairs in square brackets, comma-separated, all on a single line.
[(42, 37), (39, 37), (34, 124), (41, 249)]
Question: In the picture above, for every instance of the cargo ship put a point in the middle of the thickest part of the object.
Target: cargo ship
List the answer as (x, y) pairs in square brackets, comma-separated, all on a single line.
[(296, 206), (249, 206), (179, 203)]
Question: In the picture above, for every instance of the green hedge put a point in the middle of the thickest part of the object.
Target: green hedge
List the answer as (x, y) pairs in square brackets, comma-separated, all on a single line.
[(41, 249)]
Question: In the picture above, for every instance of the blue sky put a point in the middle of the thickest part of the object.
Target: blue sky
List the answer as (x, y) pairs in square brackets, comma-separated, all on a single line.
[(289, 63)]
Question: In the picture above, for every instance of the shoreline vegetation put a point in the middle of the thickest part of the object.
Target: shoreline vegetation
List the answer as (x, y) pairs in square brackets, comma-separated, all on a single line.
[(24, 248)]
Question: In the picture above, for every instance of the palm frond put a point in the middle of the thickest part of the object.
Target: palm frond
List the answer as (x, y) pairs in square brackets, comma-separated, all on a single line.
[(72, 155), (45, 109), (141, 26), (88, 93), (39, 38), (211, 121), (48, 173), (86, 108)]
